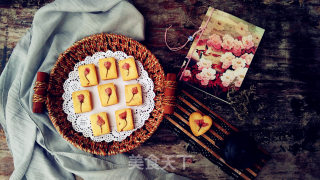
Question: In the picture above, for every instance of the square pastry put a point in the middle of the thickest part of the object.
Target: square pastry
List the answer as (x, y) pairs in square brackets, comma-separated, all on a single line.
[(88, 75), (100, 124), (108, 94), (108, 68), (128, 69), (124, 120), (82, 101), (133, 94)]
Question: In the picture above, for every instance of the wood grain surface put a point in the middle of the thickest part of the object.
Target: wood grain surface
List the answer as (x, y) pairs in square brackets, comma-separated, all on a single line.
[(285, 73)]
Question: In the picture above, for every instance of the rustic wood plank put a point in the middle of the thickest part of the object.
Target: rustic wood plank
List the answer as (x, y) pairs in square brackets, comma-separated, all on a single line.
[(6, 160), (292, 28)]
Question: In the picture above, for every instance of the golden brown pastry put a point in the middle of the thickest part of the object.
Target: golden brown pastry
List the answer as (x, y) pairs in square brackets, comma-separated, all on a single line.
[(199, 123), (128, 69), (81, 101), (124, 120), (133, 94), (108, 68), (100, 124), (108, 94), (88, 75)]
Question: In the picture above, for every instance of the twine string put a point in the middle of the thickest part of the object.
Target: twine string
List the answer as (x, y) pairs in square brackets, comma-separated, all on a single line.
[(39, 86), (171, 84), (170, 100), (38, 98), (190, 38), (190, 55)]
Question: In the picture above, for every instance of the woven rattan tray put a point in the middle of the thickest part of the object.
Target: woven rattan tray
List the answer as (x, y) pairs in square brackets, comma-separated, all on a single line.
[(87, 47)]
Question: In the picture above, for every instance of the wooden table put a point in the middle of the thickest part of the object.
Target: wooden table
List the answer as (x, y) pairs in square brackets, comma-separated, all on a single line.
[(285, 73)]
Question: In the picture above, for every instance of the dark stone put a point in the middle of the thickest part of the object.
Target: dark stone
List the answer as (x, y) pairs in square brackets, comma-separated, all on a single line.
[(240, 150)]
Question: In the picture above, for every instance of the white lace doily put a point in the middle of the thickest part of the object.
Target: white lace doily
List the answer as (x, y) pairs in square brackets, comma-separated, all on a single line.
[(81, 122)]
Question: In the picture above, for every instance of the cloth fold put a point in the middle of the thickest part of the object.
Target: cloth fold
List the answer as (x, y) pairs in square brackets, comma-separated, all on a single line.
[(39, 152)]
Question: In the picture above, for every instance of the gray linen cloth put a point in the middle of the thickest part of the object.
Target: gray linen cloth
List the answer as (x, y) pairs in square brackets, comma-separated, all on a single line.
[(39, 152)]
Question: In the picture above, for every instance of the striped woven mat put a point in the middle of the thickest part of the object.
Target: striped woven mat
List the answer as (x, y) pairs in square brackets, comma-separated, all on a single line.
[(210, 143)]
